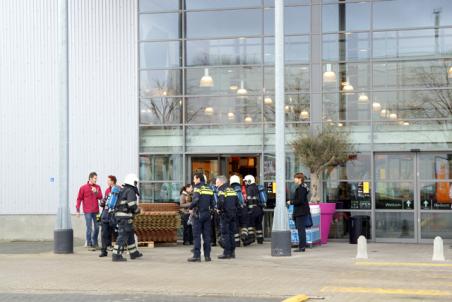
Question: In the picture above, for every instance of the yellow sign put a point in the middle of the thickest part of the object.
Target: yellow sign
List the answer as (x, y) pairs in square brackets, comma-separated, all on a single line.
[(274, 187), (366, 188)]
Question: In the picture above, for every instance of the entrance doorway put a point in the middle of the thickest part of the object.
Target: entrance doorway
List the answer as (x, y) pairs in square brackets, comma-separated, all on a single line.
[(227, 165), (413, 196)]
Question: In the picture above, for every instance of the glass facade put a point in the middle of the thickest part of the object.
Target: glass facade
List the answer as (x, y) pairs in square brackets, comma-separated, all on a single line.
[(380, 70)]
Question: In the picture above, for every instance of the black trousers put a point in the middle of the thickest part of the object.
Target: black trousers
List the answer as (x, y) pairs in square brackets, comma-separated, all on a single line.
[(228, 227), (188, 231), (126, 237), (202, 227), (215, 227), (107, 232), (256, 216), (300, 222)]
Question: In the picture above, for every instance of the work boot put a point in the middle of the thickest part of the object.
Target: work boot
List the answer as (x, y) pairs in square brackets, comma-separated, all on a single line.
[(207, 259), (136, 255), (237, 244), (103, 253), (118, 258), (224, 257), (299, 250), (194, 259), (233, 255)]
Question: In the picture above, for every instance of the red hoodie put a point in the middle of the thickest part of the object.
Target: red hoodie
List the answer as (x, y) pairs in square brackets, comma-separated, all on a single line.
[(89, 198)]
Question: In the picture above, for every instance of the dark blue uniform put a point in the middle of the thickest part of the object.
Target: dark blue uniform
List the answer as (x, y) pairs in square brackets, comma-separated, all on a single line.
[(202, 204), (228, 205), (255, 214)]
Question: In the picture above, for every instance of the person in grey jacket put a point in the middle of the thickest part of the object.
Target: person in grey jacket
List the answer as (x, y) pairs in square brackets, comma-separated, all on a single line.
[(185, 201)]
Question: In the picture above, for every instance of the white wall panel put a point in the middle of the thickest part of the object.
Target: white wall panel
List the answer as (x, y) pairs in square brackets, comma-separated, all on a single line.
[(103, 100)]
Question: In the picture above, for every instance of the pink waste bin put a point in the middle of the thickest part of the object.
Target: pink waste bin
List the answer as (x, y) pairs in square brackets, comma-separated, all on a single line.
[(327, 211)]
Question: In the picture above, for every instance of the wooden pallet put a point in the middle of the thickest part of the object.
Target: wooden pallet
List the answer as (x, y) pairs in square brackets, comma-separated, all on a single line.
[(149, 244)]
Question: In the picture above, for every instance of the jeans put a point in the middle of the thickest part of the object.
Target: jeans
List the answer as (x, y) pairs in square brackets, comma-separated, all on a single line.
[(90, 219), (300, 222)]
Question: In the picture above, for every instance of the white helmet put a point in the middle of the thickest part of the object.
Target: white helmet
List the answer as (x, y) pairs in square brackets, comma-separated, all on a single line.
[(131, 179), (234, 180), (249, 179)]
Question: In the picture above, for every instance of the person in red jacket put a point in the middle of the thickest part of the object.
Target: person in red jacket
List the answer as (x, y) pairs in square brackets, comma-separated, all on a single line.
[(89, 195)]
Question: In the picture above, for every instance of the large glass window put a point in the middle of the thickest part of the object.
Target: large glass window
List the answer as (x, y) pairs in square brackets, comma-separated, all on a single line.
[(160, 83), (296, 50), (346, 17), (161, 139), (158, 5), (217, 4), (296, 20), (346, 46), (160, 167), (297, 108), (160, 26), (161, 111), (160, 54), (297, 78)]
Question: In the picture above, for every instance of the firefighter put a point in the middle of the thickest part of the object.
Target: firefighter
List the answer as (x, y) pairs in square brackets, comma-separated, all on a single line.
[(108, 227), (125, 210), (228, 205), (241, 232), (201, 207), (255, 211)]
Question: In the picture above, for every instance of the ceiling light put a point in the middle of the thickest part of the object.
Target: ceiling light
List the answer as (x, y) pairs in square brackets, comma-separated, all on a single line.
[(376, 106), (242, 90), (347, 87), (248, 119), (287, 108), (164, 93), (304, 114), (449, 73), (233, 87), (268, 100), (383, 112), (363, 98), (206, 80), (208, 110), (231, 115), (329, 76), (393, 116), (406, 123), (340, 124)]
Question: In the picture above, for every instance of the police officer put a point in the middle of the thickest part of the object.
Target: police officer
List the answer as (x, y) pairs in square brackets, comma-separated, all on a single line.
[(241, 232), (255, 211), (228, 205), (126, 209), (201, 207)]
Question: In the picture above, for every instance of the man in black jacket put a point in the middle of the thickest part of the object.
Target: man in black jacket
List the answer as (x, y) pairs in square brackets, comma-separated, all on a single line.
[(301, 209)]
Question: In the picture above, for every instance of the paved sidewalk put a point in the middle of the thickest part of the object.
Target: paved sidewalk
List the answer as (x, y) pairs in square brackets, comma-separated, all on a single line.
[(394, 272)]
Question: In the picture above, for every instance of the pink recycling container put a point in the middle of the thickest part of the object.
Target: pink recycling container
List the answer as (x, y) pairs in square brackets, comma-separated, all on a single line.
[(327, 211)]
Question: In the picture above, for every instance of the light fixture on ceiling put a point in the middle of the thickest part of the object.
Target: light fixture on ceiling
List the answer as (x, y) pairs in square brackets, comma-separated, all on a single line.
[(248, 119), (206, 80), (340, 124), (393, 116), (233, 87), (329, 76), (208, 110), (164, 93), (304, 114), (376, 106), (231, 115), (449, 73), (268, 100), (242, 90), (347, 88), (383, 112), (406, 124), (363, 98), (287, 108)]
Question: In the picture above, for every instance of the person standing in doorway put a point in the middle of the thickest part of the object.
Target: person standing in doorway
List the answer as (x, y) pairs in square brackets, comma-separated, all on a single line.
[(301, 210), (89, 196), (185, 200)]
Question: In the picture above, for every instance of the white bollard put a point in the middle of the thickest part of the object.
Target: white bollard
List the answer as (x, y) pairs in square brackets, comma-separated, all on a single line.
[(362, 248), (438, 249)]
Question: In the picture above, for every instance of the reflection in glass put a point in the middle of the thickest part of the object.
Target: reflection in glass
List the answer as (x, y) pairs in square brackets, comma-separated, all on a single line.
[(160, 167), (346, 17), (394, 195), (409, 13), (216, 4), (394, 225), (412, 43), (296, 50), (214, 110), (227, 81), (407, 135), (340, 106), (160, 26), (348, 195), (158, 5), (346, 46), (244, 51), (340, 228), (436, 195), (162, 110), (436, 224), (356, 168), (437, 166), (297, 20), (355, 74), (394, 166), (161, 139), (293, 165), (292, 131), (296, 77), (160, 54), (160, 83), (415, 74), (360, 132), (160, 192), (413, 104), (297, 108), (217, 24)]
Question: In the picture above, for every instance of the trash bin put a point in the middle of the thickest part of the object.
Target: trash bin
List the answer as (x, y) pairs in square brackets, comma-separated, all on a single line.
[(359, 225)]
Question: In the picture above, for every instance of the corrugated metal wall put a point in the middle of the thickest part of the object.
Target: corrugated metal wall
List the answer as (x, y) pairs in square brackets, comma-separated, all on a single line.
[(103, 100)]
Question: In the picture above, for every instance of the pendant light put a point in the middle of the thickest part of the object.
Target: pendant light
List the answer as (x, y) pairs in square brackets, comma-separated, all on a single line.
[(206, 80), (393, 116), (340, 124), (329, 76), (363, 98), (231, 115), (233, 87), (449, 73), (347, 88), (376, 106), (383, 112), (406, 123), (208, 111), (248, 119), (242, 90), (268, 100), (304, 114)]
